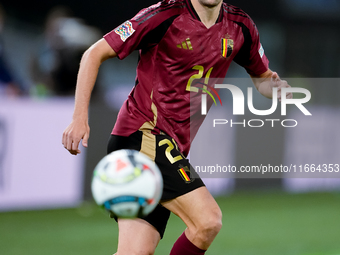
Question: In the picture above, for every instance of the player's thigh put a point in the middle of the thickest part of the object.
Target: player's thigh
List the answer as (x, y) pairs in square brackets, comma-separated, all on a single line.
[(136, 236), (197, 208)]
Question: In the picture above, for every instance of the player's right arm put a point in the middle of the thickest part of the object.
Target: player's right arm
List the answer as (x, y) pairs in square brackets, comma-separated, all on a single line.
[(87, 75)]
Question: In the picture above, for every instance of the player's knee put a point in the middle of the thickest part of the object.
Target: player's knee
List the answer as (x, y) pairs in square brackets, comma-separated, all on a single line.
[(213, 224), (210, 226), (140, 249), (144, 251)]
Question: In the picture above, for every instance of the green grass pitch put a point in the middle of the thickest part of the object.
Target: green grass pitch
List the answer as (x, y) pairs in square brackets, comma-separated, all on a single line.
[(253, 224)]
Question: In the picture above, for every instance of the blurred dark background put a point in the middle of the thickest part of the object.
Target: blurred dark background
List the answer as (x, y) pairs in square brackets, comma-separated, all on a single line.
[(107, 14), (301, 38)]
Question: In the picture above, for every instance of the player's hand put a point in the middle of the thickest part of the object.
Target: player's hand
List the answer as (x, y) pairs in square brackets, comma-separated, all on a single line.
[(279, 84), (72, 135)]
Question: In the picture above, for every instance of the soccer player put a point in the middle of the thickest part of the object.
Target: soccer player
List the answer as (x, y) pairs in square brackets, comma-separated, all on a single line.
[(178, 41)]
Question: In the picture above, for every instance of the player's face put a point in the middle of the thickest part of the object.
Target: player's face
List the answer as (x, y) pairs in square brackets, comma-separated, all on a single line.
[(210, 3)]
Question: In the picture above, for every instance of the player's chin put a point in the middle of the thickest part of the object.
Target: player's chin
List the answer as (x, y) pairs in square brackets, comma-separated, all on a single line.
[(210, 3)]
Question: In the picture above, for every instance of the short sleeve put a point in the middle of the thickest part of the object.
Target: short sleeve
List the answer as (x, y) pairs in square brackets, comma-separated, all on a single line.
[(133, 33), (251, 55)]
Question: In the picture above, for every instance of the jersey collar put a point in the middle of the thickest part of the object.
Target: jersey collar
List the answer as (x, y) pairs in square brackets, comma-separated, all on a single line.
[(194, 14)]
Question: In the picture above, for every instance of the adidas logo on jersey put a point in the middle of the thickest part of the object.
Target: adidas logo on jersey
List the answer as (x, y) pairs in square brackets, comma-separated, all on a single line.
[(185, 45)]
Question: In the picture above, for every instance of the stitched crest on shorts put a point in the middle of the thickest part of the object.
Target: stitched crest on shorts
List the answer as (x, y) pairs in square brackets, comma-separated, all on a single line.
[(125, 30), (184, 172)]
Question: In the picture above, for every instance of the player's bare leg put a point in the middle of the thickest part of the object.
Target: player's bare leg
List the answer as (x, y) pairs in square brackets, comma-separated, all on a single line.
[(202, 215), (136, 237)]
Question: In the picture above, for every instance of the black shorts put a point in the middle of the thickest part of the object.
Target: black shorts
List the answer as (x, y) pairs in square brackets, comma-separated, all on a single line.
[(175, 168)]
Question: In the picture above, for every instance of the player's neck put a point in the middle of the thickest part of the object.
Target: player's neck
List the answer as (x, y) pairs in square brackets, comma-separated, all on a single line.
[(207, 14)]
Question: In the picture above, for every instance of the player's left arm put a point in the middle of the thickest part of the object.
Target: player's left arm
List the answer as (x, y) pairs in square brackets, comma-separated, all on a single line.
[(268, 80)]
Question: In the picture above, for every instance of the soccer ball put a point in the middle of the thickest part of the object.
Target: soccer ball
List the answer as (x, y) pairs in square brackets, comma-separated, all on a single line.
[(127, 184)]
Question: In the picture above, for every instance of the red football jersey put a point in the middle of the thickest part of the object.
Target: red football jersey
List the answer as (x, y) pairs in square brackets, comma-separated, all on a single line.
[(175, 49)]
